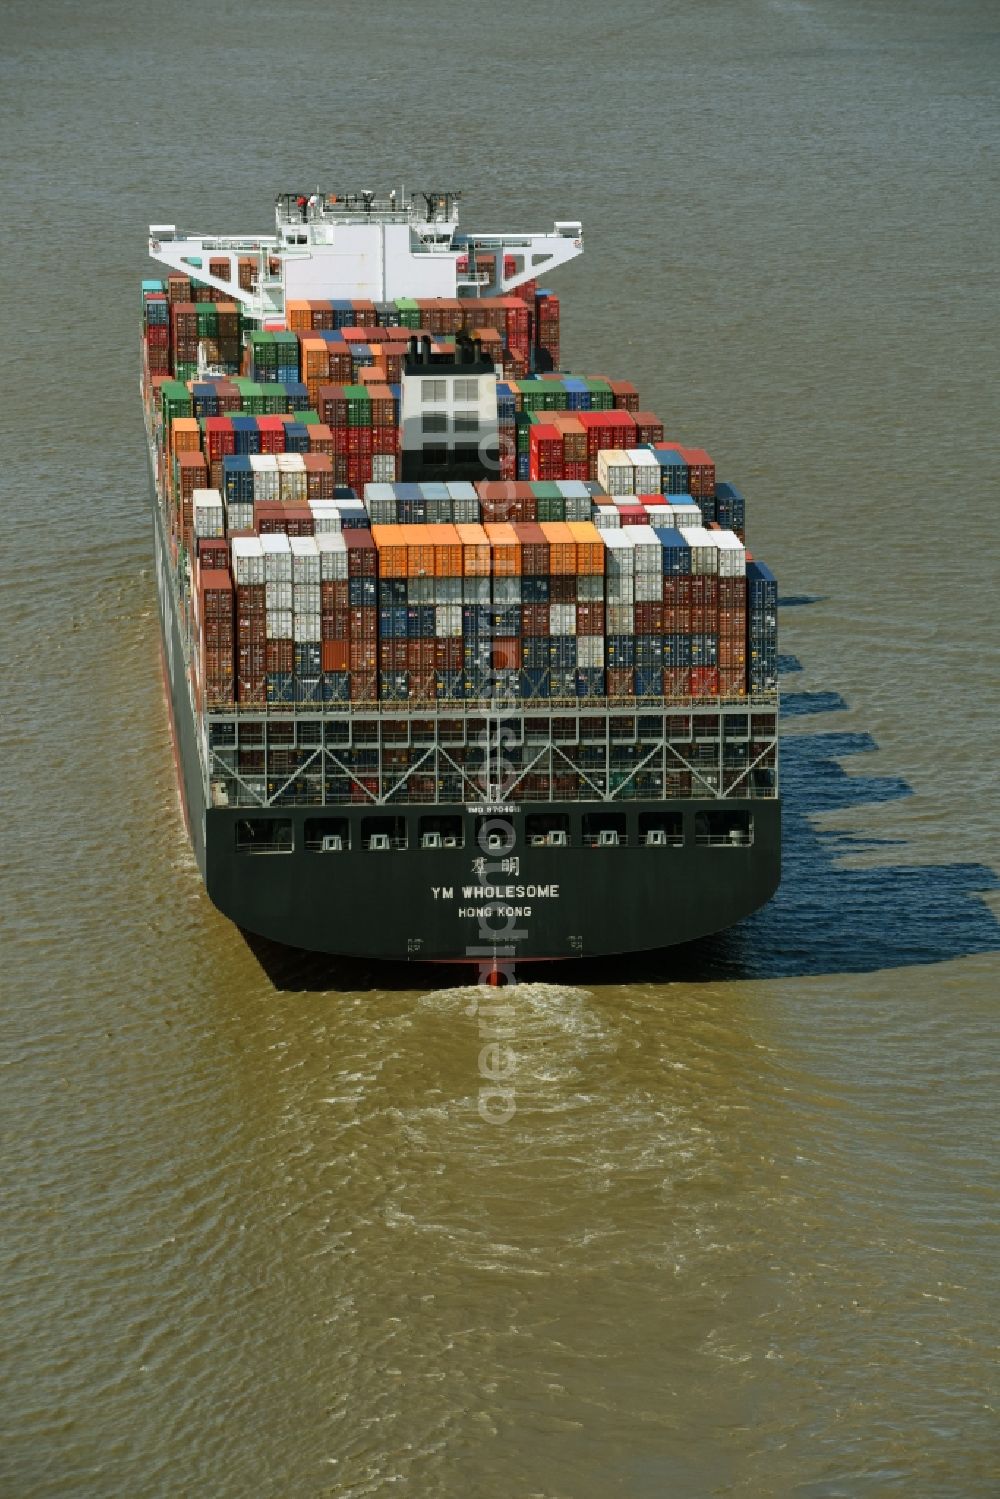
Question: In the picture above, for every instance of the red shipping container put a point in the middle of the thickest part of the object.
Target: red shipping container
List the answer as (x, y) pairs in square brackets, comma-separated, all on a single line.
[(335, 655), (677, 591), (649, 619), (620, 682), (448, 654), (363, 625), (363, 655), (648, 429), (392, 655), (319, 475), (590, 619), (732, 652), (320, 439), (705, 592), (701, 472), (626, 397), (272, 434), (704, 681), (213, 554), (362, 556), (281, 655), (334, 595), (535, 619), (507, 654)]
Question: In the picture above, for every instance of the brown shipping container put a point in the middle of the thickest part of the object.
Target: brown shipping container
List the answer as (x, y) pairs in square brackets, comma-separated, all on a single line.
[(534, 549)]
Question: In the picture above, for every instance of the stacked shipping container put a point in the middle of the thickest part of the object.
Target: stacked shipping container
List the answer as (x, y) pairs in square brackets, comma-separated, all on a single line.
[(615, 568)]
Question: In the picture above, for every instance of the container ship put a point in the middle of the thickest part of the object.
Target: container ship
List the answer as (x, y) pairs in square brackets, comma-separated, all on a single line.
[(466, 657)]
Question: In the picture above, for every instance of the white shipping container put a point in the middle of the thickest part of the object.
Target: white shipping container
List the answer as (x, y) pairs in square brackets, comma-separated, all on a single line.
[(278, 595), (619, 619), (447, 590), (326, 516), (248, 559), (607, 517), (293, 489), (279, 624), (590, 651), (683, 517), (589, 588), (620, 589), (209, 513), (506, 590), (562, 619), (476, 590), (648, 588), (732, 554), (647, 470), (615, 471), (379, 491), (704, 552), (266, 480), (421, 590), (619, 553), (648, 552), (277, 558), (578, 508), (332, 556), (292, 483), (239, 516), (306, 597), (447, 620), (306, 626), (305, 559), (383, 467)]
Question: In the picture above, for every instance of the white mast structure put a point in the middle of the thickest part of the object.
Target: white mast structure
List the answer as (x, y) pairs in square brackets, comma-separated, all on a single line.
[(360, 246)]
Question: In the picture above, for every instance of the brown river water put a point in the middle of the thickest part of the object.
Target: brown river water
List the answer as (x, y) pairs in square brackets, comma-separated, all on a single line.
[(739, 1238)]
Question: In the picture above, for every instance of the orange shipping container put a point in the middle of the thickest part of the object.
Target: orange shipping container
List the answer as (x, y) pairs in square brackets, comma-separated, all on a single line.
[(298, 316), (506, 550), (315, 358), (391, 544), (336, 655), (475, 551), (441, 550), (562, 547), (590, 553), (185, 435)]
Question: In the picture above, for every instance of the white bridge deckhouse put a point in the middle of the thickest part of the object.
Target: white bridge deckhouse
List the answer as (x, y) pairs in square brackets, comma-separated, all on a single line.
[(364, 246)]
